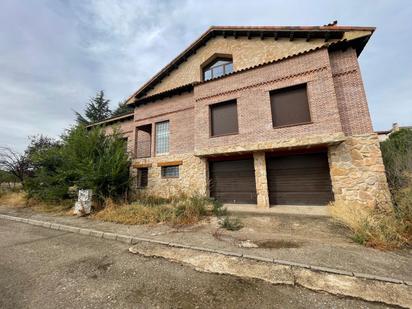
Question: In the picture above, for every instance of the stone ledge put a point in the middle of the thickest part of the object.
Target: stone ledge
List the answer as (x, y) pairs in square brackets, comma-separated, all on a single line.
[(279, 144)]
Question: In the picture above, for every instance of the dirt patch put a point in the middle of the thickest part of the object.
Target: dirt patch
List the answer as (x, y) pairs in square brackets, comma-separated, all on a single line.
[(278, 244)]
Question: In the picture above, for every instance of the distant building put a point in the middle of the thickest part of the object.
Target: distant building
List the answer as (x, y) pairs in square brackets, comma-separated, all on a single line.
[(384, 135)]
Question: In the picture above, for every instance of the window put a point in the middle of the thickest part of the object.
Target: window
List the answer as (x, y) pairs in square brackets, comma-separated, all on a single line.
[(223, 118), (142, 177), (162, 137), (290, 106), (171, 171), (218, 68)]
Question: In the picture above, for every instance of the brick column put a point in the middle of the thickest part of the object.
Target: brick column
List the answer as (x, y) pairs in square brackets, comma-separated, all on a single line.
[(261, 180)]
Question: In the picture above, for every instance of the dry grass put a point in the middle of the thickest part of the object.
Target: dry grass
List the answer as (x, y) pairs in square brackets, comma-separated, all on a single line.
[(379, 227), (177, 211), (13, 199), (61, 208), (19, 199)]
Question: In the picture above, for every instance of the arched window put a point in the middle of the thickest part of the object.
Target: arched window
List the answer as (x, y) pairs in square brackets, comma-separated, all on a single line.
[(219, 67)]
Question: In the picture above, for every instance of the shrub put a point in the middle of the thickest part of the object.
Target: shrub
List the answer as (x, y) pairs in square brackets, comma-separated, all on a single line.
[(397, 157), (87, 159), (231, 223), (218, 209)]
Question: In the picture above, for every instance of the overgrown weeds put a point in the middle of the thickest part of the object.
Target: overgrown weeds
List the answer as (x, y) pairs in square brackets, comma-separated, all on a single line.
[(13, 198), (379, 227), (231, 223), (62, 207), (177, 210)]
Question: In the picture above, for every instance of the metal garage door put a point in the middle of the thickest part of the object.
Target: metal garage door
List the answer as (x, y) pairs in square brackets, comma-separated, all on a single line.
[(233, 181), (299, 179)]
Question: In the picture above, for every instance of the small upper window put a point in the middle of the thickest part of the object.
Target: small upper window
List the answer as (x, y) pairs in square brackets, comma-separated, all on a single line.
[(218, 68)]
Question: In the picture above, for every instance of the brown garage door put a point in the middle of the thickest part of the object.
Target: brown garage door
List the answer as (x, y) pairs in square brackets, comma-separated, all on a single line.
[(299, 180), (233, 181)]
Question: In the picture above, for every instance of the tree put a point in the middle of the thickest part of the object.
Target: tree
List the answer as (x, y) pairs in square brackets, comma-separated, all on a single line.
[(122, 108), (96, 110), (87, 159), (397, 157), (14, 163)]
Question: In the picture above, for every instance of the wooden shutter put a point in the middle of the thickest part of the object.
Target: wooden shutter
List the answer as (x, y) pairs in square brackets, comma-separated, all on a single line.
[(224, 118), (290, 106)]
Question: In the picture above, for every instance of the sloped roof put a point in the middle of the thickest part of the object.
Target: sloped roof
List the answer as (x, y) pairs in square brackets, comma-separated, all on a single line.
[(355, 43), (327, 32), (116, 118)]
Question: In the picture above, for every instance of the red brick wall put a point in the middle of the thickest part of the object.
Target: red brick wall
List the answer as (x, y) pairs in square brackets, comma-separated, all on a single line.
[(352, 103), (126, 127), (251, 89), (335, 92), (179, 110)]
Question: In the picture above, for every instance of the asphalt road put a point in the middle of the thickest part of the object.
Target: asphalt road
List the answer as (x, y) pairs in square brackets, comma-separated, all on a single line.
[(42, 268)]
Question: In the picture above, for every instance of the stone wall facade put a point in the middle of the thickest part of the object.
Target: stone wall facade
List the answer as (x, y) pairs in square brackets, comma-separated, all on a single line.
[(192, 180), (357, 171)]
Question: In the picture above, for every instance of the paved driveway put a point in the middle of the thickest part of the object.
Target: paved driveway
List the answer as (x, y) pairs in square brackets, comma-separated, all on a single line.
[(42, 268)]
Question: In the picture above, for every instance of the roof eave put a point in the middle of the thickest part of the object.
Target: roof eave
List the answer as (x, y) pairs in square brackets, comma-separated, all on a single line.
[(214, 30)]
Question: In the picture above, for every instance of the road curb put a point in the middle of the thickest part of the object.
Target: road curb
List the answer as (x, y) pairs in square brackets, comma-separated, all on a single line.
[(133, 240)]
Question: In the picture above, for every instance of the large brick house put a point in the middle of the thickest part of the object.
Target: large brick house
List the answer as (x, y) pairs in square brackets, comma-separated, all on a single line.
[(259, 115)]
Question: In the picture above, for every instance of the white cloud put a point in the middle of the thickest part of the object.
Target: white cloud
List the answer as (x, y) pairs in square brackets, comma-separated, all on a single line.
[(55, 55)]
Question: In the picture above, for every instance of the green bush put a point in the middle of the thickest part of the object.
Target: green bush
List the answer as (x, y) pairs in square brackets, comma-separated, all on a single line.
[(397, 157), (231, 223), (87, 159)]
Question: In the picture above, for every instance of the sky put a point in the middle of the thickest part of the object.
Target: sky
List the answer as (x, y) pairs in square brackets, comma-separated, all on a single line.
[(55, 55)]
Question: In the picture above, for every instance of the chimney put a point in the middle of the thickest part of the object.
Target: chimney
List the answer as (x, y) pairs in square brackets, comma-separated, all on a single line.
[(395, 127)]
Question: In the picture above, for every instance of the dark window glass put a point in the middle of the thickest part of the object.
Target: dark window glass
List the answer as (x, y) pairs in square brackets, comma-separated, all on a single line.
[(289, 106), (170, 171), (142, 177), (218, 68), (224, 118)]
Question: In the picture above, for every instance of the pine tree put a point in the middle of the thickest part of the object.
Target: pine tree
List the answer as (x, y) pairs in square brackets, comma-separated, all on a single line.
[(96, 110), (122, 108)]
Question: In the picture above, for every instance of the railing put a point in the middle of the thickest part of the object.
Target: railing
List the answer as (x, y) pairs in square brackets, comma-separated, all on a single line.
[(143, 149)]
